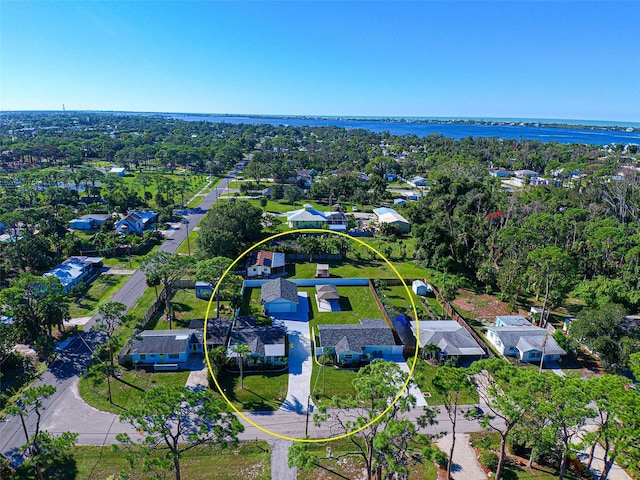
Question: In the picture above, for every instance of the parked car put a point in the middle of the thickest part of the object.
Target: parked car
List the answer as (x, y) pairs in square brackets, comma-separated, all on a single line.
[(474, 413)]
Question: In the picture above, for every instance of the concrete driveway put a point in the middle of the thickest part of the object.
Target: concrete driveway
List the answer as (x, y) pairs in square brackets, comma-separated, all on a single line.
[(300, 366), (413, 388), (465, 464)]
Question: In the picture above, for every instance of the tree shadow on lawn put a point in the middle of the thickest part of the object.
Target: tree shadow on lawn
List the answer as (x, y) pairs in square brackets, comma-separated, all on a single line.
[(230, 385), (181, 307)]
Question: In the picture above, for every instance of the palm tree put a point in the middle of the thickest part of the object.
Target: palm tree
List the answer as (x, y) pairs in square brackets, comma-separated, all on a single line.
[(241, 350)]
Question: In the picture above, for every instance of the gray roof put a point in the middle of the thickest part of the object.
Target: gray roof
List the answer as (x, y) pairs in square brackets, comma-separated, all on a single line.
[(279, 288), (354, 337), (513, 320), (527, 338), (551, 347), (307, 214), (217, 330), (163, 341), (256, 338), (327, 292), (451, 337)]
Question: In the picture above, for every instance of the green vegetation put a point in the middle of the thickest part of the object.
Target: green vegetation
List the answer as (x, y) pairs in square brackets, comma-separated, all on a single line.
[(126, 390), (424, 374), (100, 291), (329, 382), (261, 392), (248, 460), (355, 303)]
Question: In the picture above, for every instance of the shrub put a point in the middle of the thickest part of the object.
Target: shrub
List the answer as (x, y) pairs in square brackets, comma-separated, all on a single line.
[(489, 460)]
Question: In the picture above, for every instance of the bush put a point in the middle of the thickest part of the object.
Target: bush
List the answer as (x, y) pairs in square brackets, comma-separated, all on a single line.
[(489, 460)]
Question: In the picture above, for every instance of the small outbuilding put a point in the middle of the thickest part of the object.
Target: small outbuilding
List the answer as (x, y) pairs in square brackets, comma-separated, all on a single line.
[(419, 287), (204, 290), (322, 270)]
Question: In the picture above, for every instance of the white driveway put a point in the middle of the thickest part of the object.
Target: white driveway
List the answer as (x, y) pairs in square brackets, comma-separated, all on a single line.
[(300, 365), (465, 464), (413, 388)]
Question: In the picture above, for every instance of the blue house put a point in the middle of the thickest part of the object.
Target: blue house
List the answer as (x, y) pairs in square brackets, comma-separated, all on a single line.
[(74, 270), (136, 222), (162, 347), (279, 295), (90, 221)]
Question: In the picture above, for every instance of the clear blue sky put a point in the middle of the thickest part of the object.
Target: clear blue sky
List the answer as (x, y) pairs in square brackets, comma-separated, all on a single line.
[(541, 59)]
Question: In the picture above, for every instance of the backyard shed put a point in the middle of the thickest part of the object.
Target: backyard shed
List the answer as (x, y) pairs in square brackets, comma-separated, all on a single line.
[(419, 287)]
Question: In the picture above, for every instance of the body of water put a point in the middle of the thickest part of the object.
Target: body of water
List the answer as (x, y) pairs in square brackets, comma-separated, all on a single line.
[(458, 131)]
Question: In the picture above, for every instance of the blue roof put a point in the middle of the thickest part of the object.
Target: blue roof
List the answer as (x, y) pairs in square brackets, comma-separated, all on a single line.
[(383, 210)]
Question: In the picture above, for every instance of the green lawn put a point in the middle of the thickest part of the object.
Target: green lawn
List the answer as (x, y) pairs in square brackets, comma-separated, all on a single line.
[(251, 306), (186, 307), (328, 382), (247, 460), (363, 268), (125, 392), (185, 247), (423, 376), (397, 296), (355, 302), (100, 291), (262, 391)]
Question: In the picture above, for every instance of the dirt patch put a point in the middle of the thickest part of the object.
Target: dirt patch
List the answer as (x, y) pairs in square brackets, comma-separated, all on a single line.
[(482, 307)]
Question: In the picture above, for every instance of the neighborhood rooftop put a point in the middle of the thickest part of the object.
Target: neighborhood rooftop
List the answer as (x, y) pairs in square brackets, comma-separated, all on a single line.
[(279, 288), (452, 338), (354, 337)]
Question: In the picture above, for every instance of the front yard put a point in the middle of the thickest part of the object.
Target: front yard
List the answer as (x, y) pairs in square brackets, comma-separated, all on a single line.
[(423, 376), (98, 292)]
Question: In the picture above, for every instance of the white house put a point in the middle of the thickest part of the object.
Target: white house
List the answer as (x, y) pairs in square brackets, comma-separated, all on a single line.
[(451, 337), (306, 217), (389, 216), (90, 221), (418, 181), (512, 321), (120, 171), (267, 263), (526, 343)]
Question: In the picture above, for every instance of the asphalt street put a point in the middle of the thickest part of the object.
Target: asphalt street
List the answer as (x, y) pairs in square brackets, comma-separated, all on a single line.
[(64, 372)]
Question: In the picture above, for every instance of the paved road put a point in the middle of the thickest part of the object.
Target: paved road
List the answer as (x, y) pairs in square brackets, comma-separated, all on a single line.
[(65, 371)]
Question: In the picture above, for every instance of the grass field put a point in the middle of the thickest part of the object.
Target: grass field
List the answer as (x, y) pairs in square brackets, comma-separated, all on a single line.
[(355, 303), (185, 247), (100, 291), (423, 376), (125, 392), (186, 307), (362, 268), (247, 460), (328, 382), (262, 391)]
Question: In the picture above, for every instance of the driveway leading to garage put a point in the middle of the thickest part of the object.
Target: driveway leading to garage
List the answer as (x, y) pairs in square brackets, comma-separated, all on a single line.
[(413, 388), (300, 366)]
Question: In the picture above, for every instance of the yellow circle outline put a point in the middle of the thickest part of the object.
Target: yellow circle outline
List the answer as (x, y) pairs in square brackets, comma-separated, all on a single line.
[(312, 440)]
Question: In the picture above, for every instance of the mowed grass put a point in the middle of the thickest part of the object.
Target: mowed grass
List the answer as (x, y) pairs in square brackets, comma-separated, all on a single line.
[(185, 247), (186, 307), (398, 297), (355, 303), (423, 376), (247, 460), (328, 382), (262, 391), (127, 391), (362, 268), (100, 291)]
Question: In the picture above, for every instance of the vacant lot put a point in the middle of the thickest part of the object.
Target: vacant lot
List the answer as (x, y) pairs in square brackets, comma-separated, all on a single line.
[(99, 291)]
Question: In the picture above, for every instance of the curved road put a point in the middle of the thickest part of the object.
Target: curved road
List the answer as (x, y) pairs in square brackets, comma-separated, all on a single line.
[(64, 372)]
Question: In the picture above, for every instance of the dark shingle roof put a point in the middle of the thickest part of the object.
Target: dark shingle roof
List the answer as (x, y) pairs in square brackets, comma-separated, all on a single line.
[(257, 337), (163, 341), (354, 337), (217, 330), (279, 288)]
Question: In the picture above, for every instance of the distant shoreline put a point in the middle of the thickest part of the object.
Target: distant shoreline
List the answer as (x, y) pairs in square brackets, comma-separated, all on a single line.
[(603, 125)]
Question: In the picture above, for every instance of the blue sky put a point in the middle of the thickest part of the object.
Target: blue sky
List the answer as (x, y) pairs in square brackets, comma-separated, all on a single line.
[(541, 59)]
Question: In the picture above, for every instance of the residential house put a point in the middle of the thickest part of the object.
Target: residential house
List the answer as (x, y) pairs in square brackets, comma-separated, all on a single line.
[(167, 349), (499, 172), (389, 216), (279, 295), (390, 177), (411, 196), (267, 263), (451, 337), (267, 345), (91, 221), (75, 270), (419, 287), (512, 321), (526, 343), (418, 181), (336, 221), (136, 222), (306, 217), (218, 330), (352, 343), (399, 201)]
